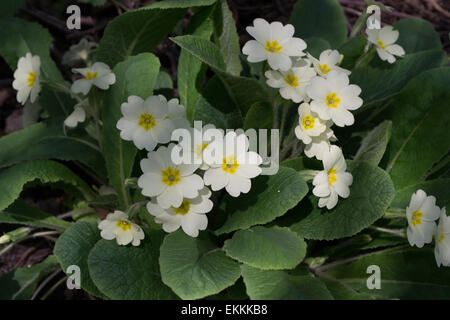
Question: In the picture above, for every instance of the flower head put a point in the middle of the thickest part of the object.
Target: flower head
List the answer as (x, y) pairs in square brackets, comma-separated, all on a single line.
[(274, 43), (292, 83), (176, 112), (421, 214), (328, 60), (333, 97), (333, 181), (384, 40), (78, 115), (320, 144), (26, 78), (118, 226), (233, 168), (99, 75), (190, 215), (310, 125), (145, 122), (167, 181), (442, 239)]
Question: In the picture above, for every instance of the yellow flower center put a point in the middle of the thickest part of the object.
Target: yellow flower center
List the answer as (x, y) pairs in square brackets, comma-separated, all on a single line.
[(381, 44), (230, 164), (124, 225), (291, 80), (170, 176), (324, 68), (199, 149), (332, 176), (441, 238), (147, 121), (273, 46), (308, 122), (89, 75), (184, 208), (332, 100), (31, 78), (416, 218)]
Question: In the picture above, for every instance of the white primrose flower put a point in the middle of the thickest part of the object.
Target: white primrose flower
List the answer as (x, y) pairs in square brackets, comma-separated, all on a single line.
[(320, 144), (118, 226), (233, 168), (328, 60), (333, 97), (145, 122), (190, 215), (99, 75), (421, 214), (292, 83), (384, 40), (176, 112), (274, 43), (78, 115), (333, 181), (442, 239), (167, 181), (26, 78), (310, 125)]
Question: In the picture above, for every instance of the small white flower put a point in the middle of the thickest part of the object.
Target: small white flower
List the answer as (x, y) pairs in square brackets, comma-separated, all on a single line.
[(310, 125), (442, 239), (99, 75), (384, 40), (333, 180), (327, 61), (421, 214), (78, 115), (118, 226), (234, 168), (26, 78), (333, 97), (166, 181), (190, 215), (146, 123), (320, 144), (176, 112), (274, 43), (292, 83)]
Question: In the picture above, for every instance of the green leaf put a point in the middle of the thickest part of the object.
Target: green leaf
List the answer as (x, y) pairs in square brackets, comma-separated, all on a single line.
[(417, 35), (13, 180), (321, 19), (419, 116), (20, 284), (259, 116), (344, 292), (136, 76), (72, 248), (21, 213), (141, 30), (438, 188), (191, 71), (10, 7), (269, 198), (352, 49), (226, 37), (252, 246), (194, 267), (128, 272), (316, 46), (164, 81), (351, 215), (373, 80), (46, 141), (279, 285), (374, 144), (303, 163), (404, 274)]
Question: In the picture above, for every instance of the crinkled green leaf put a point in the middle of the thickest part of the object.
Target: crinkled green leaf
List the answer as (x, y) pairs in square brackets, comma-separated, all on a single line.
[(439, 188), (270, 197), (316, 46), (352, 49), (194, 267), (266, 248), (259, 116), (417, 35), (374, 144), (128, 272)]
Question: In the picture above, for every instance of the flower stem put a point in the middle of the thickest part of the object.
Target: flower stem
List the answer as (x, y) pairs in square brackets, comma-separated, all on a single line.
[(395, 213), (396, 232), (308, 175), (365, 59)]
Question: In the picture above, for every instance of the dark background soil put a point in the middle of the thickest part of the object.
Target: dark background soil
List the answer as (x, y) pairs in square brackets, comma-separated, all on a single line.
[(52, 15)]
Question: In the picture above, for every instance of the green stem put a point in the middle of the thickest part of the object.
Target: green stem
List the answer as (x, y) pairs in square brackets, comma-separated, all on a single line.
[(396, 232), (308, 175), (395, 213), (365, 59)]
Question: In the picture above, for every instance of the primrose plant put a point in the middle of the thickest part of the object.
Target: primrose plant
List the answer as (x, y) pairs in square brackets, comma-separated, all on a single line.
[(168, 194)]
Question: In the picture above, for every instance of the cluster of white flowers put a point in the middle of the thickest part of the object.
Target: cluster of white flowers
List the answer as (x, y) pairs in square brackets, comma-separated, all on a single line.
[(325, 91), (421, 214), (384, 41)]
